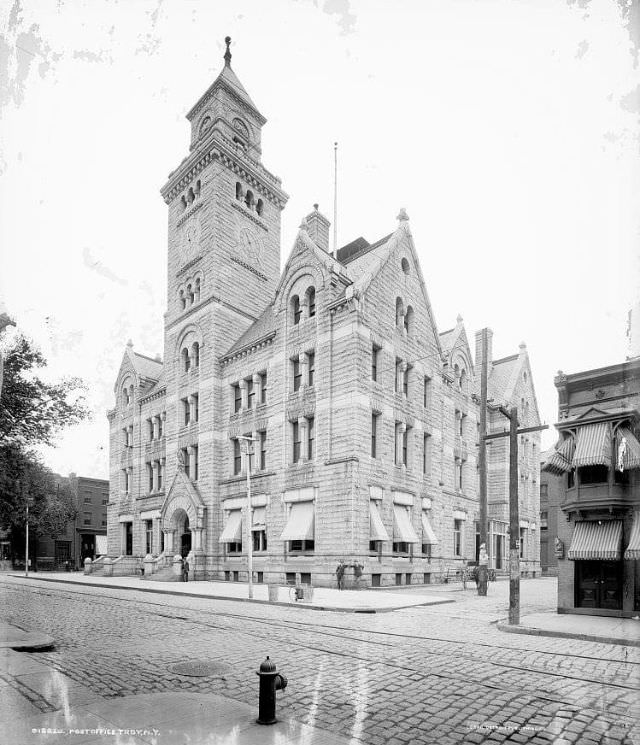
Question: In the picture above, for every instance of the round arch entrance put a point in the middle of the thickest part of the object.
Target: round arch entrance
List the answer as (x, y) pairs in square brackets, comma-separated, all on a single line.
[(183, 532)]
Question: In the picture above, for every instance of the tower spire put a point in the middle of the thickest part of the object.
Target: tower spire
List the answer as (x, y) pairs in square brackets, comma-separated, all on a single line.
[(227, 54)]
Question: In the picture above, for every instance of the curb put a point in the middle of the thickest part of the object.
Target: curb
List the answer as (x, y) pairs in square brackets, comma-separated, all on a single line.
[(504, 626), (158, 591)]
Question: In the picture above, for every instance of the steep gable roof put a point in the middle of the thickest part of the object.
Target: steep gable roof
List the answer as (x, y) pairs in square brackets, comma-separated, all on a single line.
[(263, 326), (502, 376), (146, 367)]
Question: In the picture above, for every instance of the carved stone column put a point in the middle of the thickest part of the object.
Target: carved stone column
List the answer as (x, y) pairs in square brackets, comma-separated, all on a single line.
[(244, 393), (303, 429)]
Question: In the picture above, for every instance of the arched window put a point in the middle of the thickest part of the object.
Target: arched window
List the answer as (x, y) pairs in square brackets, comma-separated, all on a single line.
[(197, 290), (297, 310), (130, 399), (186, 362), (239, 192), (405, 266), (463, 379), (195, 354), (259, 206), (183, 301), (206, 123), (183, 201), (190, 294), (399, 312), (248, 200), (408, 320), (198, 188), (311, 300), (190, 196)]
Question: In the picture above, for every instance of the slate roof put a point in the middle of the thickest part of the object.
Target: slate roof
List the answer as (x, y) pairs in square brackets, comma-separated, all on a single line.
[(447, 339), (500, 377), (359, 262), (265, 324), (147, 367)]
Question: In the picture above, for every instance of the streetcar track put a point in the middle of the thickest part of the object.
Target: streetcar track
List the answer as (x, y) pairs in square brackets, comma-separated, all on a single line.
[(321, 632), (444, 655)]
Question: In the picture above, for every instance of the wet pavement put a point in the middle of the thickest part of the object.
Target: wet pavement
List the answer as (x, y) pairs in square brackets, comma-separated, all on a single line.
[(421, 674)]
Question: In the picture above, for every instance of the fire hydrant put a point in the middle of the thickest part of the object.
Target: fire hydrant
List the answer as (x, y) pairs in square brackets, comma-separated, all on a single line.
[(270, 682)]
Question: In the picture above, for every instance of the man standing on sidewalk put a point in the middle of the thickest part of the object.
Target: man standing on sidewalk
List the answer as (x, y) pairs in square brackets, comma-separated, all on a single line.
[(185, 570)]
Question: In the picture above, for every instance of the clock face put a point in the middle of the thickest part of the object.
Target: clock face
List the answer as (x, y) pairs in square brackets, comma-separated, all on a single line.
[(190, 239), (251, 247)]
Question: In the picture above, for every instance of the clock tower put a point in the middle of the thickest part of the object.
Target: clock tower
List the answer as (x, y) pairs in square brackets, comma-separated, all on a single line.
[(223, 265)]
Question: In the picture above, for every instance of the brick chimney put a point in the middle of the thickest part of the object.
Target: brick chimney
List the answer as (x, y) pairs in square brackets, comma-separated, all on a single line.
[(479, 349), (318, 228)]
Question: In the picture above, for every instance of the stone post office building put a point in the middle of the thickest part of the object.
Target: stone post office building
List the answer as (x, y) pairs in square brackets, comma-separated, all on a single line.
[(364, 417)]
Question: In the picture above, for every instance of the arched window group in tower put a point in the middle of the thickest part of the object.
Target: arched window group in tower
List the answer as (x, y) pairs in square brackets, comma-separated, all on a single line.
[(190, 292), (190, 355), (191, 194), (248, 198)]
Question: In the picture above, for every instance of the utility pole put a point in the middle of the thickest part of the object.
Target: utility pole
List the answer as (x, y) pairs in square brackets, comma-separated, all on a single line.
[(483, 569), (514, 518), (247, 443)]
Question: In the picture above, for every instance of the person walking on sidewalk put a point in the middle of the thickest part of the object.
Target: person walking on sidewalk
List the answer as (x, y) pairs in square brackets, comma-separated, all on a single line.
[(340, 575), (185, 570)]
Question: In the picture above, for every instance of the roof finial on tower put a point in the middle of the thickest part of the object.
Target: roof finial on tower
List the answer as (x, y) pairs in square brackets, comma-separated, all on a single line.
[(227, 54)]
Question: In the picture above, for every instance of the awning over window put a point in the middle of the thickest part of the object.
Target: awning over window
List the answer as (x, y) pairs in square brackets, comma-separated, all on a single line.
[(561, 460), (633, 549), (403, 531), (232, 532), (596, 540), (259, 518), (593, 445), (299, 526), (377, 531), (627, 450), (428, 536)]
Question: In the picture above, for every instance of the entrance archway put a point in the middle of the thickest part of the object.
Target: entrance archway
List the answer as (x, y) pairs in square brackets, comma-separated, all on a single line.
[(183, 532)]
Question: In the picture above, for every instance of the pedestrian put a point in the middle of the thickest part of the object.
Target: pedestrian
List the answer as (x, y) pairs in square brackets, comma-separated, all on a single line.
[(357, 573), (185, 570), (340, 575)]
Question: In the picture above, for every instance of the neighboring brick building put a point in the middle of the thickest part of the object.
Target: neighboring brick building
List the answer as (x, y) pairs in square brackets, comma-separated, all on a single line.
[(86, 536), (364, 416), (551, 493), (598, 456)]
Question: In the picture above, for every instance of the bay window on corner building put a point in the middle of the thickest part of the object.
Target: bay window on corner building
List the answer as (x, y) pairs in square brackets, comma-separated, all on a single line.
[(598, 457)]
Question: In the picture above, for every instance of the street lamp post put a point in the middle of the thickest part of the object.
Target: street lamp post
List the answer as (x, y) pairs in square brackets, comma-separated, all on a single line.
[(247, 446)]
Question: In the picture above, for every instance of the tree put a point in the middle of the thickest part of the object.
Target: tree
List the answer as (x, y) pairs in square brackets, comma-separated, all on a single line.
[(51, 504), (32, 411)]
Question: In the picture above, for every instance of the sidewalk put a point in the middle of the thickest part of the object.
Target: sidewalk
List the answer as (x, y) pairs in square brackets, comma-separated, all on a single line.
[(602, 629), (324, 598), (39, 705)]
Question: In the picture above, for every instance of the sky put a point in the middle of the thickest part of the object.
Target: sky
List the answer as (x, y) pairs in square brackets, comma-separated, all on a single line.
[(508, 129)]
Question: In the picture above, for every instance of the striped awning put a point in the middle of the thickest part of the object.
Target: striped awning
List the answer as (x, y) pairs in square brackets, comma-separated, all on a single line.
[(428, 536), (627, 450), (633, 549), (402, 528), (596, 539), (259, 518), (232, 532), (593, 445), (377, 531), (561, 460)]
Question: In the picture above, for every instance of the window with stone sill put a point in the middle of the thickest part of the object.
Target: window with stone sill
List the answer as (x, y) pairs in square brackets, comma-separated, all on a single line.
[(259, 540), (237, 398), (301, 546), (375, 547), (400, 548), (234, 548)]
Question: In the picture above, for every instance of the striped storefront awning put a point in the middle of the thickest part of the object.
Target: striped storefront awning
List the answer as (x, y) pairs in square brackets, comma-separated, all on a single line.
[(593, 445), (561, 460), (596, 539), (627, 450), (633, 549), (377, 531)]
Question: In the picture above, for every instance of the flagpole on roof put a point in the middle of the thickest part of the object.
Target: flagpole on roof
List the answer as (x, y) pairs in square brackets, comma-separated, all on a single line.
[(335, 199)]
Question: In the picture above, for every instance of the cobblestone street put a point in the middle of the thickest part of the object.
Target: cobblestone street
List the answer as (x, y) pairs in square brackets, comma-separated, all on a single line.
[(437, 674)]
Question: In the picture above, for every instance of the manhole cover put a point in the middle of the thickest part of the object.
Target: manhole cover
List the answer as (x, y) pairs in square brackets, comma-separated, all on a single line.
[(199, 669)]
